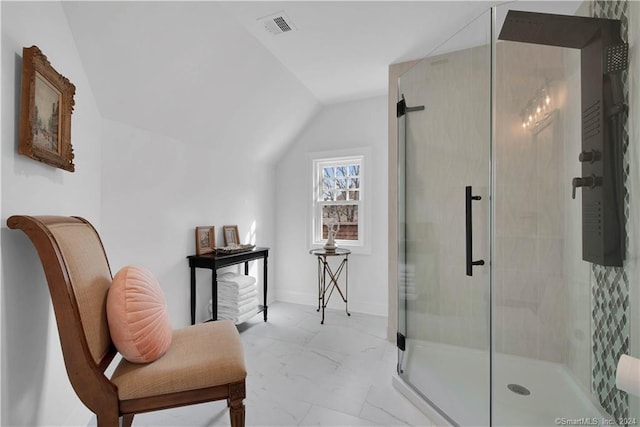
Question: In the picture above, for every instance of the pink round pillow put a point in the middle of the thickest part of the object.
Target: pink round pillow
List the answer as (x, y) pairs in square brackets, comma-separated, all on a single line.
[(137, 315)]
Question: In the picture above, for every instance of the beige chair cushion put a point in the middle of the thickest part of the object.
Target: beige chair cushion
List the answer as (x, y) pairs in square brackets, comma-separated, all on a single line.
[(90, 278), (200, 356)]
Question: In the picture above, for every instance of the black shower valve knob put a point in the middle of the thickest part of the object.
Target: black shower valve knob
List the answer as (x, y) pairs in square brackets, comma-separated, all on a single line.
[(587, 181), (590, 156)]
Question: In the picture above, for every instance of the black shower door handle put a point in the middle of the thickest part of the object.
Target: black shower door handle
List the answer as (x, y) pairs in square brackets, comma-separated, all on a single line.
[(469, 229)]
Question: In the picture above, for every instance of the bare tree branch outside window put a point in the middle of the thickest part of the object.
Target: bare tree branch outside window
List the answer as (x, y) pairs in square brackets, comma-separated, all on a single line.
[(341, 184)]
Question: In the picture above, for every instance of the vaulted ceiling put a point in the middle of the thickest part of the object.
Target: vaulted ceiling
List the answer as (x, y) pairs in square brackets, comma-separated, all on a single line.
[(208, 72), (342, 50)]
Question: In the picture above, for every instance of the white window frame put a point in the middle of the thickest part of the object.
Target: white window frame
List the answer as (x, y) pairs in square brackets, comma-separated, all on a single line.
[(361, 156)]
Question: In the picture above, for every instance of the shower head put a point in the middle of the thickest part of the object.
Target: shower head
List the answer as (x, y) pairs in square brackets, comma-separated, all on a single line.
[(614, 62), (616, 58), (559, 30)]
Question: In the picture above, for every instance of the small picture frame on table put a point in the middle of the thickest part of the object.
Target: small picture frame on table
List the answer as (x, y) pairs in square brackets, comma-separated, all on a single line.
[(46, 105), (231, 236), (205, 240)]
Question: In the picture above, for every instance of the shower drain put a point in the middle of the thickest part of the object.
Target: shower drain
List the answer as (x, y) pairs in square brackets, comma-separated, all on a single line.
[(518, 389)]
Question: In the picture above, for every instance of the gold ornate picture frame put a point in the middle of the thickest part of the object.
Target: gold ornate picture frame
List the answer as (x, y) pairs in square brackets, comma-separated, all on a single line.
[(45, 112)]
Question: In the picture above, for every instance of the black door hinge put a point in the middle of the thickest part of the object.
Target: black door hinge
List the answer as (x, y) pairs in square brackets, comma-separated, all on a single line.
[(400, 341), (401, 108)]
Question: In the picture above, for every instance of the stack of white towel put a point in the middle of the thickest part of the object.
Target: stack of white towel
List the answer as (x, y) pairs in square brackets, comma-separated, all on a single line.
[(237, 297)]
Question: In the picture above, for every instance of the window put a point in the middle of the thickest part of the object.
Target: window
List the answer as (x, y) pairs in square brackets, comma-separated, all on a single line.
[(338, 198)]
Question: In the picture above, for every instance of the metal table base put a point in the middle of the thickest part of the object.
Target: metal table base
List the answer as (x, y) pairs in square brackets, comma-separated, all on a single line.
[(326, 287)]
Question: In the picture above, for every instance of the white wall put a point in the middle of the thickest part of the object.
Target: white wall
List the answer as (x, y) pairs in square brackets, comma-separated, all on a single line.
[(144, 191), (207, 81), (35, 388), (342, 126), (156, 190)]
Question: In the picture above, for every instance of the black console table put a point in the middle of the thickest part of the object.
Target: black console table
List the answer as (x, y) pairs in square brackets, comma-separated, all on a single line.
[(214, 262)]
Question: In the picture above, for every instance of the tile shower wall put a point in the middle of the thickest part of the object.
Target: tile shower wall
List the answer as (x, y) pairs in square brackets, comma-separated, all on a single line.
[(454, 306), (541, 289), (610, 286), (633, 265), (577, 273), (541, 282), (530, 290)]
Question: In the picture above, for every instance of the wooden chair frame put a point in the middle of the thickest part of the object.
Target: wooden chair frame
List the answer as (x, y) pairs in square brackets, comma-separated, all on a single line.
[(87, 377)]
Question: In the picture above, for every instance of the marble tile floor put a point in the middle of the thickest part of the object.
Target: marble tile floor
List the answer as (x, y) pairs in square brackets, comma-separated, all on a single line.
[(302, 373)]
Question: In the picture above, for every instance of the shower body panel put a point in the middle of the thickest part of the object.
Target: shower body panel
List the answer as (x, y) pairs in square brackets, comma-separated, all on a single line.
[(603, 58)]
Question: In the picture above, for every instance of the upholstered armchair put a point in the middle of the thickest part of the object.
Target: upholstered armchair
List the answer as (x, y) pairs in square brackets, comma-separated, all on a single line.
[(204, 362)]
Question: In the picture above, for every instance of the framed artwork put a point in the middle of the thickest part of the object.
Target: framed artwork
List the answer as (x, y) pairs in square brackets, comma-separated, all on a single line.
[(205, 240), (231, 235), (46, 104)]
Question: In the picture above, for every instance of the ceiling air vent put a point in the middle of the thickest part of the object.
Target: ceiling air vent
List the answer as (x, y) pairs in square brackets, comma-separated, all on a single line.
[(277, 23)]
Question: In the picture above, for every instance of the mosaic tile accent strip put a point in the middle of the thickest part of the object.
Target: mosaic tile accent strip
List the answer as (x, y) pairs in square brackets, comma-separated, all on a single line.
[(610, 285), (610, 336)]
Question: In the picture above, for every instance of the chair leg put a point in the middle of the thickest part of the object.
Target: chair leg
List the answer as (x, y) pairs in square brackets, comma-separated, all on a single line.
[(108, 420), (127, 420), (236, 412)]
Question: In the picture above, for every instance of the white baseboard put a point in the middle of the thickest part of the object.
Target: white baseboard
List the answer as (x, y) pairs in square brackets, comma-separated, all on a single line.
[(306, 298), (296, 297)]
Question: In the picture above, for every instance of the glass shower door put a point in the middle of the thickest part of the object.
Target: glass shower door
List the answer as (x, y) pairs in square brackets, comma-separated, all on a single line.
[(444, 215)]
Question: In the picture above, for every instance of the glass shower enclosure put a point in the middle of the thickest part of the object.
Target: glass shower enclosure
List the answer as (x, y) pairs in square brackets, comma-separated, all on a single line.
[(494, 311), (445, 183)]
